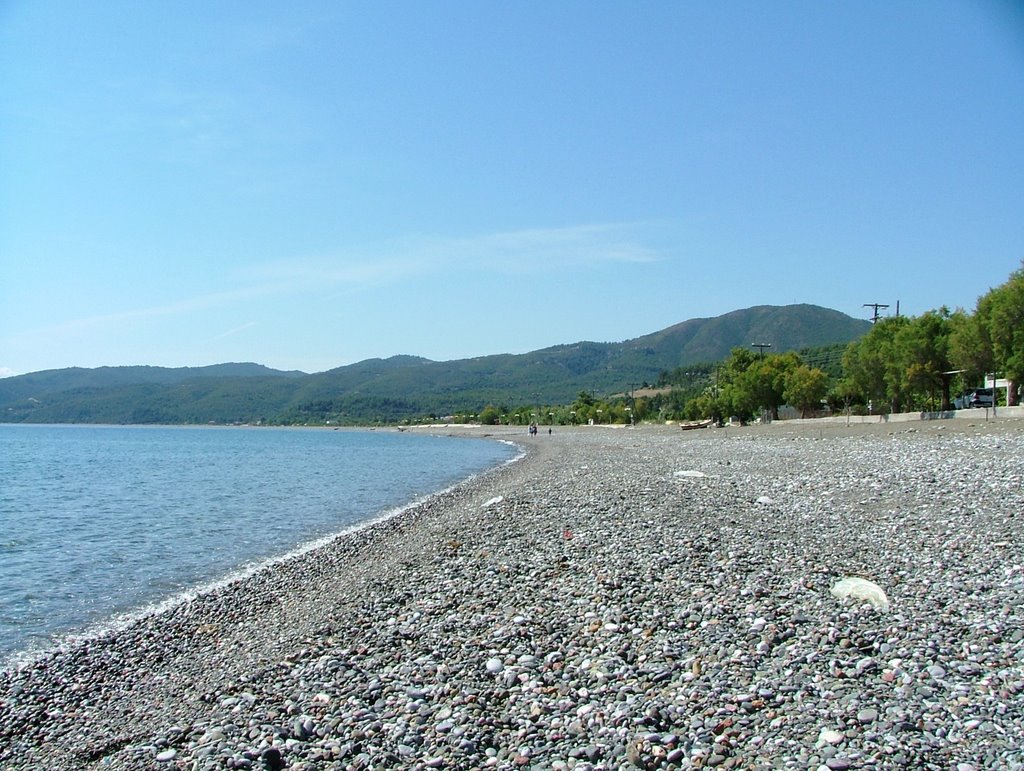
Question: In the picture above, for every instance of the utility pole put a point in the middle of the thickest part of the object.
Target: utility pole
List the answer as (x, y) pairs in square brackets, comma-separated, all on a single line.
[(761, 347), (876, 306)]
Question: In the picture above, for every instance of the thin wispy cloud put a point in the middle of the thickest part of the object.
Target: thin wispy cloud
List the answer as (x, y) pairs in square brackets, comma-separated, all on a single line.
[(234, 331), (506, 252), (528, 250), (391, 262), (188, 305)]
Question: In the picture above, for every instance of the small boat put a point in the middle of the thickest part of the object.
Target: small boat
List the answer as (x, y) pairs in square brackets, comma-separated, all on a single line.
[(695, 424)]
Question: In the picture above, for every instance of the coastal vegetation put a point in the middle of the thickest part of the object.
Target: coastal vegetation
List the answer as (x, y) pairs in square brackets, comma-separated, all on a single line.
[(903, 363)]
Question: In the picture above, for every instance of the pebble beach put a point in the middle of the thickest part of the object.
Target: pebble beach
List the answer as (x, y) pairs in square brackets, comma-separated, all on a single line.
[(618, 598)]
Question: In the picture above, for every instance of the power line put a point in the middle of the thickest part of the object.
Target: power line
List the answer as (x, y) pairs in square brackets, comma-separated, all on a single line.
[(876, 306)]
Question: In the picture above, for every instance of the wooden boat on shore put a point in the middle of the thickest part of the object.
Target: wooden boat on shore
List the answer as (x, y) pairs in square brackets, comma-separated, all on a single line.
[(695, 424)]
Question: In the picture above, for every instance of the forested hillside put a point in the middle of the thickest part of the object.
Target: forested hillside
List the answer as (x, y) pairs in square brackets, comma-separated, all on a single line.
[(402, 387)]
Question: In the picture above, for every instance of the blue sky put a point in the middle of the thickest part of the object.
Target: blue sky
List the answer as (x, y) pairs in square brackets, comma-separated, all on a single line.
[(309, 184)]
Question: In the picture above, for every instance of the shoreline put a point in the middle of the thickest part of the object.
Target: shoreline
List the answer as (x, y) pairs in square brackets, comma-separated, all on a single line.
[(95, 661), (646, 597), (111, 613), (119, 622)]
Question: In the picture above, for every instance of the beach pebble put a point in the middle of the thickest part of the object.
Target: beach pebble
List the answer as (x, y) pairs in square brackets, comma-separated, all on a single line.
[(868, 715), (830, 736), (861, 589)]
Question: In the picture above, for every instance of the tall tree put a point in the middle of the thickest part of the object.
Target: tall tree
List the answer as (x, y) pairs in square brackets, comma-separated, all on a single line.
[(970, 349), (735, 397), (767, 380), (921, 347), (872, 365), (1002, 311), (805, 388)]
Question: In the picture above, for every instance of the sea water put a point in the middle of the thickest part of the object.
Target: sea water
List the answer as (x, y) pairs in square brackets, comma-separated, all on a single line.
[(99, 523)]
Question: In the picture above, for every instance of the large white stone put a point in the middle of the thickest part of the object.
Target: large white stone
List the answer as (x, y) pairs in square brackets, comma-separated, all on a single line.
[(861, 589)]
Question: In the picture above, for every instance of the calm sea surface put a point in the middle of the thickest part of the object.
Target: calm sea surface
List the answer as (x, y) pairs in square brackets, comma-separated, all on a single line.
[(100, 522)]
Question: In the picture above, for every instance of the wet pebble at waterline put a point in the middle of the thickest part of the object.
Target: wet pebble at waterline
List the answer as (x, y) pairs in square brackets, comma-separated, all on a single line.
[(592, 607)]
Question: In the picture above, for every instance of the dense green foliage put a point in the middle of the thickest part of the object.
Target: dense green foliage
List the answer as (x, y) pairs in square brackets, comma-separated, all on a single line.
[(920, 362), (749, 384), (902, 363)]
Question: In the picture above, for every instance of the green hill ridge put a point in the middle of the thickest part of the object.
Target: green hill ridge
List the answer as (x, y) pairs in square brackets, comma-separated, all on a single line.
[(401, 387)]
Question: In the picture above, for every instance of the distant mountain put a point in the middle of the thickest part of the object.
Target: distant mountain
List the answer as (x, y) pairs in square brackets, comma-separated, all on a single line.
[(407, 386), (53, 380), (785, 328)]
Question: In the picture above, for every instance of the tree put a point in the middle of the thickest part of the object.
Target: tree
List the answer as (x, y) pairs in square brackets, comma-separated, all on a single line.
[(702, 407), (970, 349), (843, 393), (1002, 312), (767, 381), (735, 395), (805, 388), (922, 354), (750, 382), (872, 365), (489, 415)]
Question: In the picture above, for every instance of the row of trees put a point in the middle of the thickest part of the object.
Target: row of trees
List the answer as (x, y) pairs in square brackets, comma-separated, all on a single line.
[(742, 386), (747, 384), (903, 363), (585, 409), (916, 363)]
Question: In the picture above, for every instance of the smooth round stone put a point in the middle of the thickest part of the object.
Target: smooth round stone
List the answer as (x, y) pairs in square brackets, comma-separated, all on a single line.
[(494, 666), (867, 715), (830, 736), (167, 756)]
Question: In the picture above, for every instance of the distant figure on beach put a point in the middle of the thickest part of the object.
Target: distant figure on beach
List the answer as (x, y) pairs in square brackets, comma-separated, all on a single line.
[(533, 429), (549, 430)]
